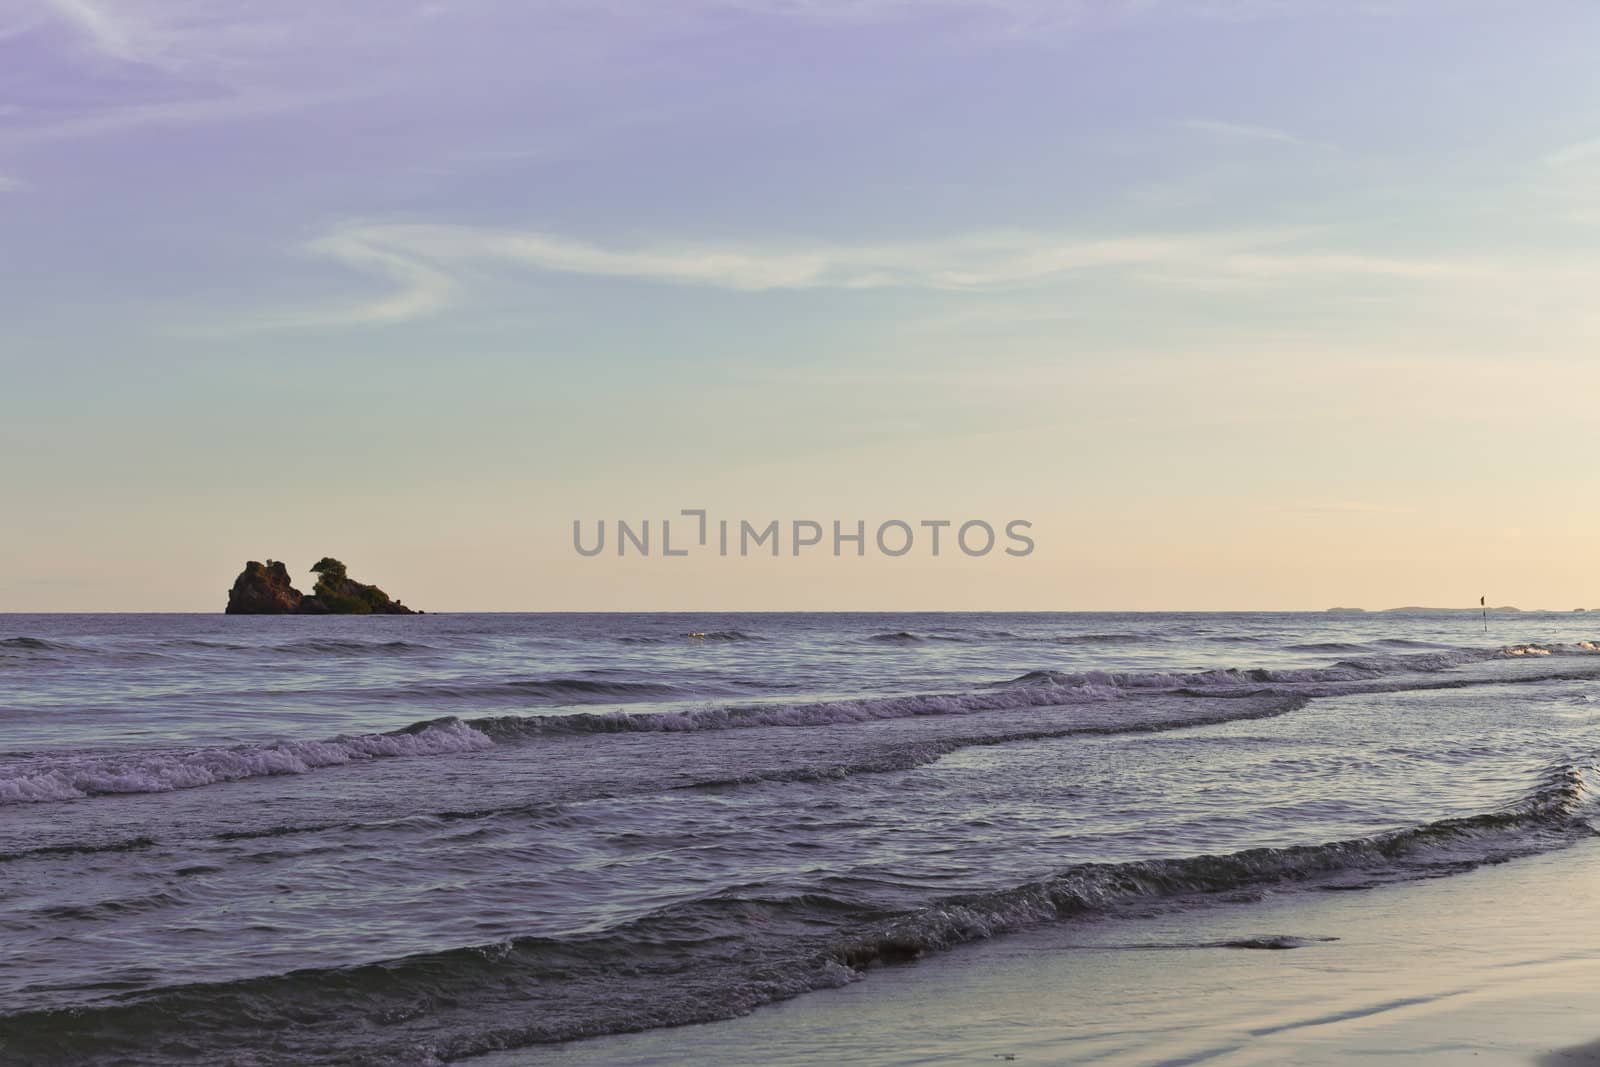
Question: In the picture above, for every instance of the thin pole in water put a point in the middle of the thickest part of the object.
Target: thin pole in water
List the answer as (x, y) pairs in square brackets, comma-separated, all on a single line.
[(1483, 602)]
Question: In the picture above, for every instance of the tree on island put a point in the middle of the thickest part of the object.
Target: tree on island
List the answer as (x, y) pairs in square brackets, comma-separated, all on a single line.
[(342, 595)]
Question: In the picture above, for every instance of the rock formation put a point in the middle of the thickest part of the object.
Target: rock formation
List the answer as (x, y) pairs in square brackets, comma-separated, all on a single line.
[(265, 589)]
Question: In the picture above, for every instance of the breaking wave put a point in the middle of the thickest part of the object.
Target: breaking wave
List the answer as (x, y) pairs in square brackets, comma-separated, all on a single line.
[(728, 954), (822, 713), (918, 754), (75, 777), (1551, 815), (1365, 669), (47, 778)]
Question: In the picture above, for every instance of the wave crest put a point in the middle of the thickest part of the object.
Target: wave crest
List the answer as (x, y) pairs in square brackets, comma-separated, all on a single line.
[(823, 713), (730, 954), (1549, 815), (76, 777)]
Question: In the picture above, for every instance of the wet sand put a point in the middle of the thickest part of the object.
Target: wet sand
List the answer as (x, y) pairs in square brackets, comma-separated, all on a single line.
[(1500, 965)]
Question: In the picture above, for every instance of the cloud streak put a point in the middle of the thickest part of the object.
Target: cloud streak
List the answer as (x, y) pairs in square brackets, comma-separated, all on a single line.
[(426, 259), (103, 32), (211, 60), (174, 62), (189, 37), (428, 264), (419, 288)]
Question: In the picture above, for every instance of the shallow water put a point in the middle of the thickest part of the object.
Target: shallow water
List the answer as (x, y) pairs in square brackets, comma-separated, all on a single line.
[(1498, 967), (402, 839)]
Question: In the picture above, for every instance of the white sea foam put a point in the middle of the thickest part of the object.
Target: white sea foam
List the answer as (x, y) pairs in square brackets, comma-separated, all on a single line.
[(1535, 648), (1229, 678), (72, 777), (823, 713)]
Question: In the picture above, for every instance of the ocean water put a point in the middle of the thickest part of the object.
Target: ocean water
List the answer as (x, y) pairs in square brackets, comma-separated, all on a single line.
[(428, 838)]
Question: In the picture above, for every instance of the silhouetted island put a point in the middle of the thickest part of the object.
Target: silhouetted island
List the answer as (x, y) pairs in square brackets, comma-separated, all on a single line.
[(265, 589)]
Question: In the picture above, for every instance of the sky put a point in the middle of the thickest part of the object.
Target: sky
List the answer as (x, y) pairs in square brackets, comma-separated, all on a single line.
[(1242, 304)]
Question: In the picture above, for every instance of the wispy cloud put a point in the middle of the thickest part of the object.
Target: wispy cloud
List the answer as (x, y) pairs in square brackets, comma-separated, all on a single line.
[(103, 31), (8, 183), (430, 265), (421, 288), (206, 60), (425, 259), (203, 61), (208, 37)]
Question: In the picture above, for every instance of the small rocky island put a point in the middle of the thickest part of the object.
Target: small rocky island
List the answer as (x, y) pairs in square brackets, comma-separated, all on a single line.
[(265, 589)]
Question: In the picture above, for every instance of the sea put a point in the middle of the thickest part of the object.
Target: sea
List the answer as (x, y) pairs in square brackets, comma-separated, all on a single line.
[(432, 838)]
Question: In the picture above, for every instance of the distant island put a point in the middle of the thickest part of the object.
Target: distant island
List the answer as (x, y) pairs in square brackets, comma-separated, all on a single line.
[(265, 589)]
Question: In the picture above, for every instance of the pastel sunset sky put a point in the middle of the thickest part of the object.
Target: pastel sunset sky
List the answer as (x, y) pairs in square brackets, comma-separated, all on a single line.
[(1245, 304)]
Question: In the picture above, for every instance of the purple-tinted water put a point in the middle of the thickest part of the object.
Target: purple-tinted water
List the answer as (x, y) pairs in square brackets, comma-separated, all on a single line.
[(420, 838)]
